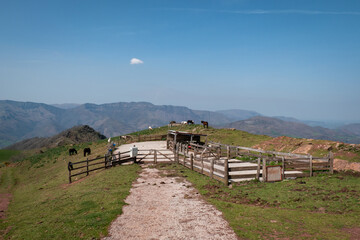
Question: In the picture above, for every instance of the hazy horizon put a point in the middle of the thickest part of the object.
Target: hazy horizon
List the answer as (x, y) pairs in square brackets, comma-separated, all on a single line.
[(329, 121), (296, 58)]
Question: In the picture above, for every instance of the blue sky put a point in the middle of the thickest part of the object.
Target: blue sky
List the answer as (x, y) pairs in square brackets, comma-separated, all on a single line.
[(292, 58)]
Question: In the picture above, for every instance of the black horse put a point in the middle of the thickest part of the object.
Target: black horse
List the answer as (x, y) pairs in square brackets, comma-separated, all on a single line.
[(87, 151), (205, 124), (190, 122), (72, 151)]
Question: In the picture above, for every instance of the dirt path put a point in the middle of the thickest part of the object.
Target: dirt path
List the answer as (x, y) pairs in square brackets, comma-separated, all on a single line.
[(4, 203), (164, 207)]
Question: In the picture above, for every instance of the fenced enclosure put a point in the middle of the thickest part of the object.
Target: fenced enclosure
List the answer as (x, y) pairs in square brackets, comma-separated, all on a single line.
[(222, 162), (233, 163)]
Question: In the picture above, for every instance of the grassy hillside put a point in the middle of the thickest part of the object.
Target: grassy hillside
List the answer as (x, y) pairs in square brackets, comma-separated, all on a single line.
[(6, 155), (226, 136), (44, 206), (322, 207), (318, 148)]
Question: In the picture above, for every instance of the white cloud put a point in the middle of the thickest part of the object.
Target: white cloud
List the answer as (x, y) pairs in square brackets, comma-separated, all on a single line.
[(136, 61)]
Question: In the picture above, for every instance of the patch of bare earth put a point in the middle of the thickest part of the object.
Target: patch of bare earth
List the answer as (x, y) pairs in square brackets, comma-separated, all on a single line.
[(305, 149), (343, 165), (167, 207), (4, 203), (354, 233)]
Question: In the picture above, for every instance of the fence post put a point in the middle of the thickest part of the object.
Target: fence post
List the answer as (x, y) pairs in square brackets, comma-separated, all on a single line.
[(226, 165), (177, 152), (119, 157), (258, 169), (105, 161), (192, 161), (184, 159), (331, 159), (87, 166), (69, 175), (202, 163), (228, 152), (212, 168), (155, 156), (283, 167), (311, 166), (264, 169)]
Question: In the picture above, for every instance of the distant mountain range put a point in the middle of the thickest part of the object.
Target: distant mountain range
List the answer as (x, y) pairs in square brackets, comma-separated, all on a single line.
[(23, 120), (74, 135), (276, 127), (237, 114)]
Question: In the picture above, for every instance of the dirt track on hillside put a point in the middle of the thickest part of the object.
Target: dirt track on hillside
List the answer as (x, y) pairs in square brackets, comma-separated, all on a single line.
[(4, 203), (165, 207)]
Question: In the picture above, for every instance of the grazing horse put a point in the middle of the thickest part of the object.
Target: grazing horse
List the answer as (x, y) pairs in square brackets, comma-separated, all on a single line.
[(172, 123), (72, 151), (190, 122), (205, 124), (87, 151), (184, 123)]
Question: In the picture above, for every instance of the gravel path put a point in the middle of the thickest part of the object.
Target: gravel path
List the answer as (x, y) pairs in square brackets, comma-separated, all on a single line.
[(162, 206)]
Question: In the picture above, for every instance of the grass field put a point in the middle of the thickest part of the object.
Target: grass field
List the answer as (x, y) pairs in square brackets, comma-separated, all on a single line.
[(45, 206), (322, 207), (6, 155)]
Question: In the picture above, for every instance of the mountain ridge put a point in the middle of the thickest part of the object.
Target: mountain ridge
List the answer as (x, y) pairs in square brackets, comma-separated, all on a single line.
[(74, 135), (276, 127), (23, 120)]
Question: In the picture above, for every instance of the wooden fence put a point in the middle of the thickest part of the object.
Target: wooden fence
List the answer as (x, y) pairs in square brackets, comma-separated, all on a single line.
[(154, 156), (90, 165), (233, 163)]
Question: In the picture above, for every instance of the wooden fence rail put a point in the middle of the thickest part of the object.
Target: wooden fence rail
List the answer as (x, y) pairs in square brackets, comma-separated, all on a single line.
[(106, 161)]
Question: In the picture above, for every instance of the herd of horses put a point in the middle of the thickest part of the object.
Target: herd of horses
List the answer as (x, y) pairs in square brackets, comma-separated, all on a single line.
[(72, 151), (190, 122)]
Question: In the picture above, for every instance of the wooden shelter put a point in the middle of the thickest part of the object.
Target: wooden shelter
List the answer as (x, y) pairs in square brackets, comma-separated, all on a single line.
[(185, 137)]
